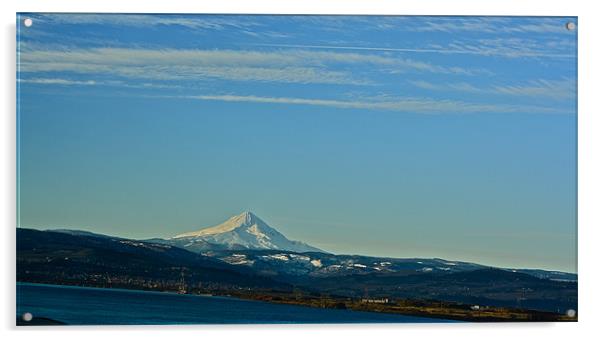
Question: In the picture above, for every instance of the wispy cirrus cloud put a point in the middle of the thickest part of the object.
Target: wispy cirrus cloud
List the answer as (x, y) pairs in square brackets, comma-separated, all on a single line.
[(111, 83), (242, 26), (561, 89), (205, 22), (392, 64), (439, 24), (491, 25), (513, 47), (300, 66), (555, 89), (503, 37), (172, 64), (382, 102), (396, 104), (299, 75), (57, 81), (484, 47)]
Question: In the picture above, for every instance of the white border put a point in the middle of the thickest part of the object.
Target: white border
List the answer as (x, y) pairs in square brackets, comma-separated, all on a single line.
[(590, 153)]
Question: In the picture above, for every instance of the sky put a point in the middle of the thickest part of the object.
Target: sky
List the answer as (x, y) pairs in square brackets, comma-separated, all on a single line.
[(449, 137)]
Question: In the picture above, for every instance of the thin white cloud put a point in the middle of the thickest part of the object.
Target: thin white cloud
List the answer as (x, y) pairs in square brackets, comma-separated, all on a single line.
[(57, 81), (454, 48), (393, 64), (554, 28), (172, 73), (493, 25), (171, 64), (425, 84), (515, 47), (408, 105), (207, 22), (449, 24), (561, 89), (299, 66), (113, 83), (555, 89)]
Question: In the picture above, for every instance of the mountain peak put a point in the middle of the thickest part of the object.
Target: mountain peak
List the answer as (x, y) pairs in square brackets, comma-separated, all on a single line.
[(245, 230), (246, 218)]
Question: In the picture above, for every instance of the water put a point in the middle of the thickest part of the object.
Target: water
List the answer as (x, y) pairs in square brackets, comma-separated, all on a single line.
[(99, 306)]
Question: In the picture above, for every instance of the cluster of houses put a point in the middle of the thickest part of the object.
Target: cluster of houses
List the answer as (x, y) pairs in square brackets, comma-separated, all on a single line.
[(376, 300)]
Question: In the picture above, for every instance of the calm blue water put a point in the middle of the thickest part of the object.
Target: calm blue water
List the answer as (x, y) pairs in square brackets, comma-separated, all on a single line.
[(92, 306)]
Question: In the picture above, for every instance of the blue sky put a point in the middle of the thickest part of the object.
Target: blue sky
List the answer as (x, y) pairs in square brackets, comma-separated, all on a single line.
[(450, 137)]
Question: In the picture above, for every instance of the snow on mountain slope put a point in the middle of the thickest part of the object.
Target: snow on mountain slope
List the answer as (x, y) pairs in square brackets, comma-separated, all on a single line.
[(243, 231)]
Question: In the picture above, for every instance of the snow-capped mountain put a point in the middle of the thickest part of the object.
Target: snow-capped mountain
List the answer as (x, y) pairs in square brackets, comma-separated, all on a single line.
[(243, 231)]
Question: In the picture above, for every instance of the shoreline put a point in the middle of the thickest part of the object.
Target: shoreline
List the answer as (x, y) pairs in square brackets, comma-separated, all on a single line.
[(228, 296), (432, 310)]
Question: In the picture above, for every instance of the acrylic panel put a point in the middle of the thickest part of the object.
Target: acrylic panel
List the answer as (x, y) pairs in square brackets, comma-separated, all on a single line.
[(244, 169)]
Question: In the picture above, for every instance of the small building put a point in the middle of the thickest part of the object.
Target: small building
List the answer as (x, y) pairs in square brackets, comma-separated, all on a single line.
[(375, 301)]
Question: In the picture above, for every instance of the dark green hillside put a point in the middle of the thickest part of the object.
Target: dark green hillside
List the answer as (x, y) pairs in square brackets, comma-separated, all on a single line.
[(90, 260), (488, 286), (53, 257)]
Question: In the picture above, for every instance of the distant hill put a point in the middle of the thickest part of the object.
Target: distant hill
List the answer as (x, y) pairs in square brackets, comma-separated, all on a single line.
[(320, 264), (79, 232), (413, 278), (59, 257), (83, 258), (484, 286)]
